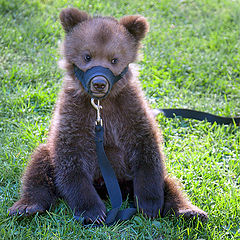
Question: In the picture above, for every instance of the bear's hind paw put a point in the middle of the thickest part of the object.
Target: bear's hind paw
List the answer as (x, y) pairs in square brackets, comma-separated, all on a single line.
[(193, 213)]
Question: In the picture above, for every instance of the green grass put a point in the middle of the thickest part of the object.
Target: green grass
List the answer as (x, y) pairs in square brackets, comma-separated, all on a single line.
[(190, 59)]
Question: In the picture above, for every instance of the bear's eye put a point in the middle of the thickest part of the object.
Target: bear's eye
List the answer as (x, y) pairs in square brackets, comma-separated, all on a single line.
[(114, 60), (87, 58)]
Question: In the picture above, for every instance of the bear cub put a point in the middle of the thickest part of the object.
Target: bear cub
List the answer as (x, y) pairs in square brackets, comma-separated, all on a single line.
[(66, 165)]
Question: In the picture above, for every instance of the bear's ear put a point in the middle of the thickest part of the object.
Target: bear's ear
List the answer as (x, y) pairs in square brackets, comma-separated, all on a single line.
[(136, 25), (70, 17)]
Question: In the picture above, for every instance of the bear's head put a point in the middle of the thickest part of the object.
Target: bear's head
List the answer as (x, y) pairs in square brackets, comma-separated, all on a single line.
[(101, 42)]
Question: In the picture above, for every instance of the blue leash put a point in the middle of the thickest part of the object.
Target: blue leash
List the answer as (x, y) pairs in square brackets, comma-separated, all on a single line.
[(110, 179), (109, 176), (198, 115)]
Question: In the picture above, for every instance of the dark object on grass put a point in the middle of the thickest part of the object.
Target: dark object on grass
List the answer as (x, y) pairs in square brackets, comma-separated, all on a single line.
[(198, 115)]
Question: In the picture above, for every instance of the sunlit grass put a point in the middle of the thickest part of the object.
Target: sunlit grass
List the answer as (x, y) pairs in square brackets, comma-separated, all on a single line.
[(190, 59)]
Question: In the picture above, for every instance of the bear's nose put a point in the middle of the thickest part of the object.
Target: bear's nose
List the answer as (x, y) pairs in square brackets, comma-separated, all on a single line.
[(99, 83)]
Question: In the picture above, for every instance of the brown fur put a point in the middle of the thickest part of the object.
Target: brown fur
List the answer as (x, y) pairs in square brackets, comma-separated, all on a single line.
[(66, 166)]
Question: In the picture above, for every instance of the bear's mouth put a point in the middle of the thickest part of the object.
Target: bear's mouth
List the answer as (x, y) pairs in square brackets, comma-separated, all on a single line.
[(97, 94)]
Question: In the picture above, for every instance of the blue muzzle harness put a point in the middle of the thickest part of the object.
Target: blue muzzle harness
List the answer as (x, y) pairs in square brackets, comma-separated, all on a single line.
[(86, 77)]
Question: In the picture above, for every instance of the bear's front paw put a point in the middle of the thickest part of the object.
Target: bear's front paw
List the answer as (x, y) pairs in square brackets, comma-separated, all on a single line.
[(95, 214), (25, 208), (150, 207)]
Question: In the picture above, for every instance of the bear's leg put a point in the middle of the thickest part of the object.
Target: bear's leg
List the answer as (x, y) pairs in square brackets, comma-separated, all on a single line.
[(175, 202), (148, 181), (76, 187), (148, 191), (38, 191)]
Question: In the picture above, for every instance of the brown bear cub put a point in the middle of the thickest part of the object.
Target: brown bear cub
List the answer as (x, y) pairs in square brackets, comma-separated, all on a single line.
[(66, 166)]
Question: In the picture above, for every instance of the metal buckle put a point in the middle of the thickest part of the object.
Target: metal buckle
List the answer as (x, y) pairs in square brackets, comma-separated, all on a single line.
[(98, 108)]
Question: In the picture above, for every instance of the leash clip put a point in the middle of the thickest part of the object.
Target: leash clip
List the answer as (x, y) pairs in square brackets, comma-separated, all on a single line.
[(98, 107)]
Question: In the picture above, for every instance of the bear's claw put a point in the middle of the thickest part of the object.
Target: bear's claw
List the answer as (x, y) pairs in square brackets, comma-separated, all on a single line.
[(25, 209)]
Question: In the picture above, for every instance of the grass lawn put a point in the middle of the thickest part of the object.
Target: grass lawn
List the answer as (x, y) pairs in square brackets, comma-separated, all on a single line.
[(191, 58)]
